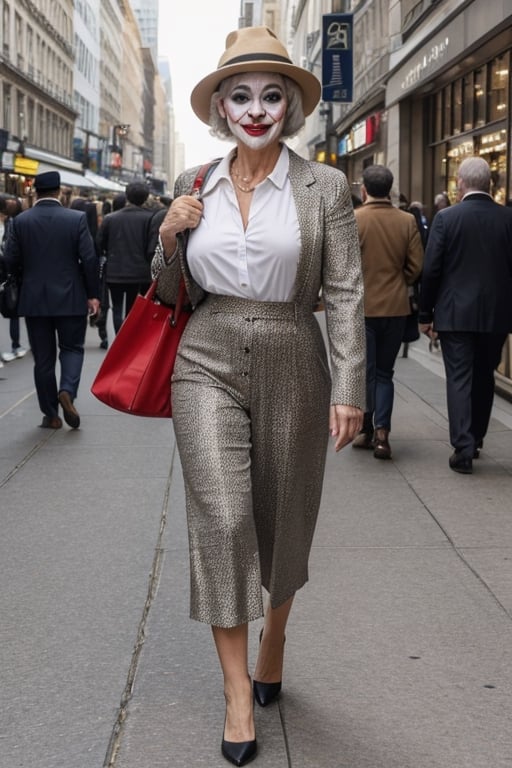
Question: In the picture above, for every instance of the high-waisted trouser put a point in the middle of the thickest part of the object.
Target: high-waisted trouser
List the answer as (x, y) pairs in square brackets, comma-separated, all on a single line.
[(250, 400)]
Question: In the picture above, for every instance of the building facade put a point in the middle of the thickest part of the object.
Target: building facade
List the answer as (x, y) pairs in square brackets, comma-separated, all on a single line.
[(146, 13), (36, 87), (87, 147), (78, 92)]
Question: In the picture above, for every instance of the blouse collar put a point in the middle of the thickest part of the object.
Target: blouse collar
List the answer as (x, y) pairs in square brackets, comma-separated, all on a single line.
[(221, 172)]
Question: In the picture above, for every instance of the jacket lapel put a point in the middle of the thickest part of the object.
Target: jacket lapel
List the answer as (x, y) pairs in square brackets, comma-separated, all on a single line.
[(308, 205)]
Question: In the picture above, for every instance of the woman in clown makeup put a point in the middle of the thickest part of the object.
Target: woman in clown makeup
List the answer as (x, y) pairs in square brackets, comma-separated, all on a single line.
[(255, 395)]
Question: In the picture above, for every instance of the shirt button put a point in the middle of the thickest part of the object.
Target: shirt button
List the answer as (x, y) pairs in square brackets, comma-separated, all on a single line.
[(243, 285)]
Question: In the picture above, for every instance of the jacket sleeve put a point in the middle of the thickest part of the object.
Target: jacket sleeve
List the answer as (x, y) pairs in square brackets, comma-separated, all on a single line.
[(89, 259), (414, 260), (154, 227), (168, 271), (11, 254), (432, 271), (342, 290), (102, 237)]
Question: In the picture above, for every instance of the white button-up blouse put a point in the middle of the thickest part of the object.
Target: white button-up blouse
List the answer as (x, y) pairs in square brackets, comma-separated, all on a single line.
[(259, 262)]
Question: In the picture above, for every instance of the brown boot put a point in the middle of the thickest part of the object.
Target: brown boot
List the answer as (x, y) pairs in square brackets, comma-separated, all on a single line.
[(381, 446)]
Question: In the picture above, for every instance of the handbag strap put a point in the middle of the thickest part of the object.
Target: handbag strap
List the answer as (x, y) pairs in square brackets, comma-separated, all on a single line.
[(202, 176), (199, 181)]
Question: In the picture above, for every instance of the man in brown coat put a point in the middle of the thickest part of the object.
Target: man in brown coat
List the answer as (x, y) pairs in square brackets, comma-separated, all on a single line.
[(392, 258)]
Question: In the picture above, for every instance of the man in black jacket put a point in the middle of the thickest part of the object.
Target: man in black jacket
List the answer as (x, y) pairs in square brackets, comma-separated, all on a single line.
[(52, 249), (466, 297), (123, 238)]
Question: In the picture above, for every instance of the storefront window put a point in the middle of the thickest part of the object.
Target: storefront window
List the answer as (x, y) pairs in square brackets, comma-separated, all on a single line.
[(498, 92), (456, 154), (447, 112), (493, 148), (440, 170), (438, 116), (457, 106), (480, 96), (469, 101)]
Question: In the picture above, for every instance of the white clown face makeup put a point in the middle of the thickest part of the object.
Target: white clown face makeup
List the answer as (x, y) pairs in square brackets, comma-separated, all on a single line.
[(255, 107)]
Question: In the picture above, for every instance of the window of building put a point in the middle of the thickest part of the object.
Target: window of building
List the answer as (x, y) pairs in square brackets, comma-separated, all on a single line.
[(447, 111), (18, 24), (6, 23), (6, 107), (457, 106), (248, 14), (480, 100), (29, 126), (498, 87), (412, 12), (470, 102), (438, 115), (20, 117), (468, 90), (40, 126)]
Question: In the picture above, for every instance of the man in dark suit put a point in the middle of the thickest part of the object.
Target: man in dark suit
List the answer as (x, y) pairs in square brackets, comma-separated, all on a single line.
[(466, 297), (124, 239), (50, 246)]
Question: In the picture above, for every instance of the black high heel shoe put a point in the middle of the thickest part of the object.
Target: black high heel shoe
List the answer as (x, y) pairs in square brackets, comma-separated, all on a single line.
[(239, 752), (266, 693)]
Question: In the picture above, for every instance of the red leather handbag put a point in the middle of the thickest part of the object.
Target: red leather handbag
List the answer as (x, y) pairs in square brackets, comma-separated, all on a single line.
[(135, 376)]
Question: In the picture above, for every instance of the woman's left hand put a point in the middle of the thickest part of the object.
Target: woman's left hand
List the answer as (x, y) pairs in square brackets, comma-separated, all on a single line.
[(345, 422)]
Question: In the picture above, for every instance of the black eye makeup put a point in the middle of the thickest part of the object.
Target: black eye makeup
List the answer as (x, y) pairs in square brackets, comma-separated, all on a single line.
[(241, 94)]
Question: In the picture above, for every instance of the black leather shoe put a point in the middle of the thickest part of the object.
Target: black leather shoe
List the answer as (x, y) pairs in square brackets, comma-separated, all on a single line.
[(266, 693), (460, 463), (239, 752)]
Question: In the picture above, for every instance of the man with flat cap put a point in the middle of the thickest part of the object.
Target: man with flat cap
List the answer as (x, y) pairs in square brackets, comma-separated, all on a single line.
[(51, 248)]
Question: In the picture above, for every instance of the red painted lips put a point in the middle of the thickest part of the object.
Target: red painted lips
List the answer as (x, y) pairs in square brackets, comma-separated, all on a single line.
[(256, 130)]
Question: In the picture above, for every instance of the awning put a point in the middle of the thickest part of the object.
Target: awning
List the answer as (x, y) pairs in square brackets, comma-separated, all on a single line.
[(68, 178), (55, 161), (103, 183)]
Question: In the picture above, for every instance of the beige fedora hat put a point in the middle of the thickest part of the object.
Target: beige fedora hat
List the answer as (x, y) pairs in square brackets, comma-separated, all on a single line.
[(254, 49)]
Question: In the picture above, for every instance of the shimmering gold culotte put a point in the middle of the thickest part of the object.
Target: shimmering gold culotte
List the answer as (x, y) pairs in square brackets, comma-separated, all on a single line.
[(251, 391)]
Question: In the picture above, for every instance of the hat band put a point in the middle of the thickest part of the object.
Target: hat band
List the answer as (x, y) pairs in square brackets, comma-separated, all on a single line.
[(256, 57)]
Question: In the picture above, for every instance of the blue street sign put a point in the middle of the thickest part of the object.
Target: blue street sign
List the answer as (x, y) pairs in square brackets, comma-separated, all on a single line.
[(337, 57)]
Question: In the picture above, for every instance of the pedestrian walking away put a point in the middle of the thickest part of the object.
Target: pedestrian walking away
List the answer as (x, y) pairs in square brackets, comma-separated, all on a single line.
[(253, 398), (98, 321), (465, 298), (392, 257), (51, 248), (10, 207), (123, 239)]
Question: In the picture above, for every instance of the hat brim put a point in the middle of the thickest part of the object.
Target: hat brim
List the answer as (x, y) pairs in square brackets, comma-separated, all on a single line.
[(309, 84)]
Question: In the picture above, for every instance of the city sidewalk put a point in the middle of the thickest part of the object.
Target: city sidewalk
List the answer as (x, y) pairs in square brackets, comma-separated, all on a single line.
[(398, 651)]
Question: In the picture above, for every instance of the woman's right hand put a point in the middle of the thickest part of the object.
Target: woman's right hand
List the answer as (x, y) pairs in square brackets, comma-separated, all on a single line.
[(184, 213)]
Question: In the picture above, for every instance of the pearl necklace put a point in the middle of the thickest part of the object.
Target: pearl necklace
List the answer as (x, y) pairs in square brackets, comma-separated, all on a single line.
[(235, 176)]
